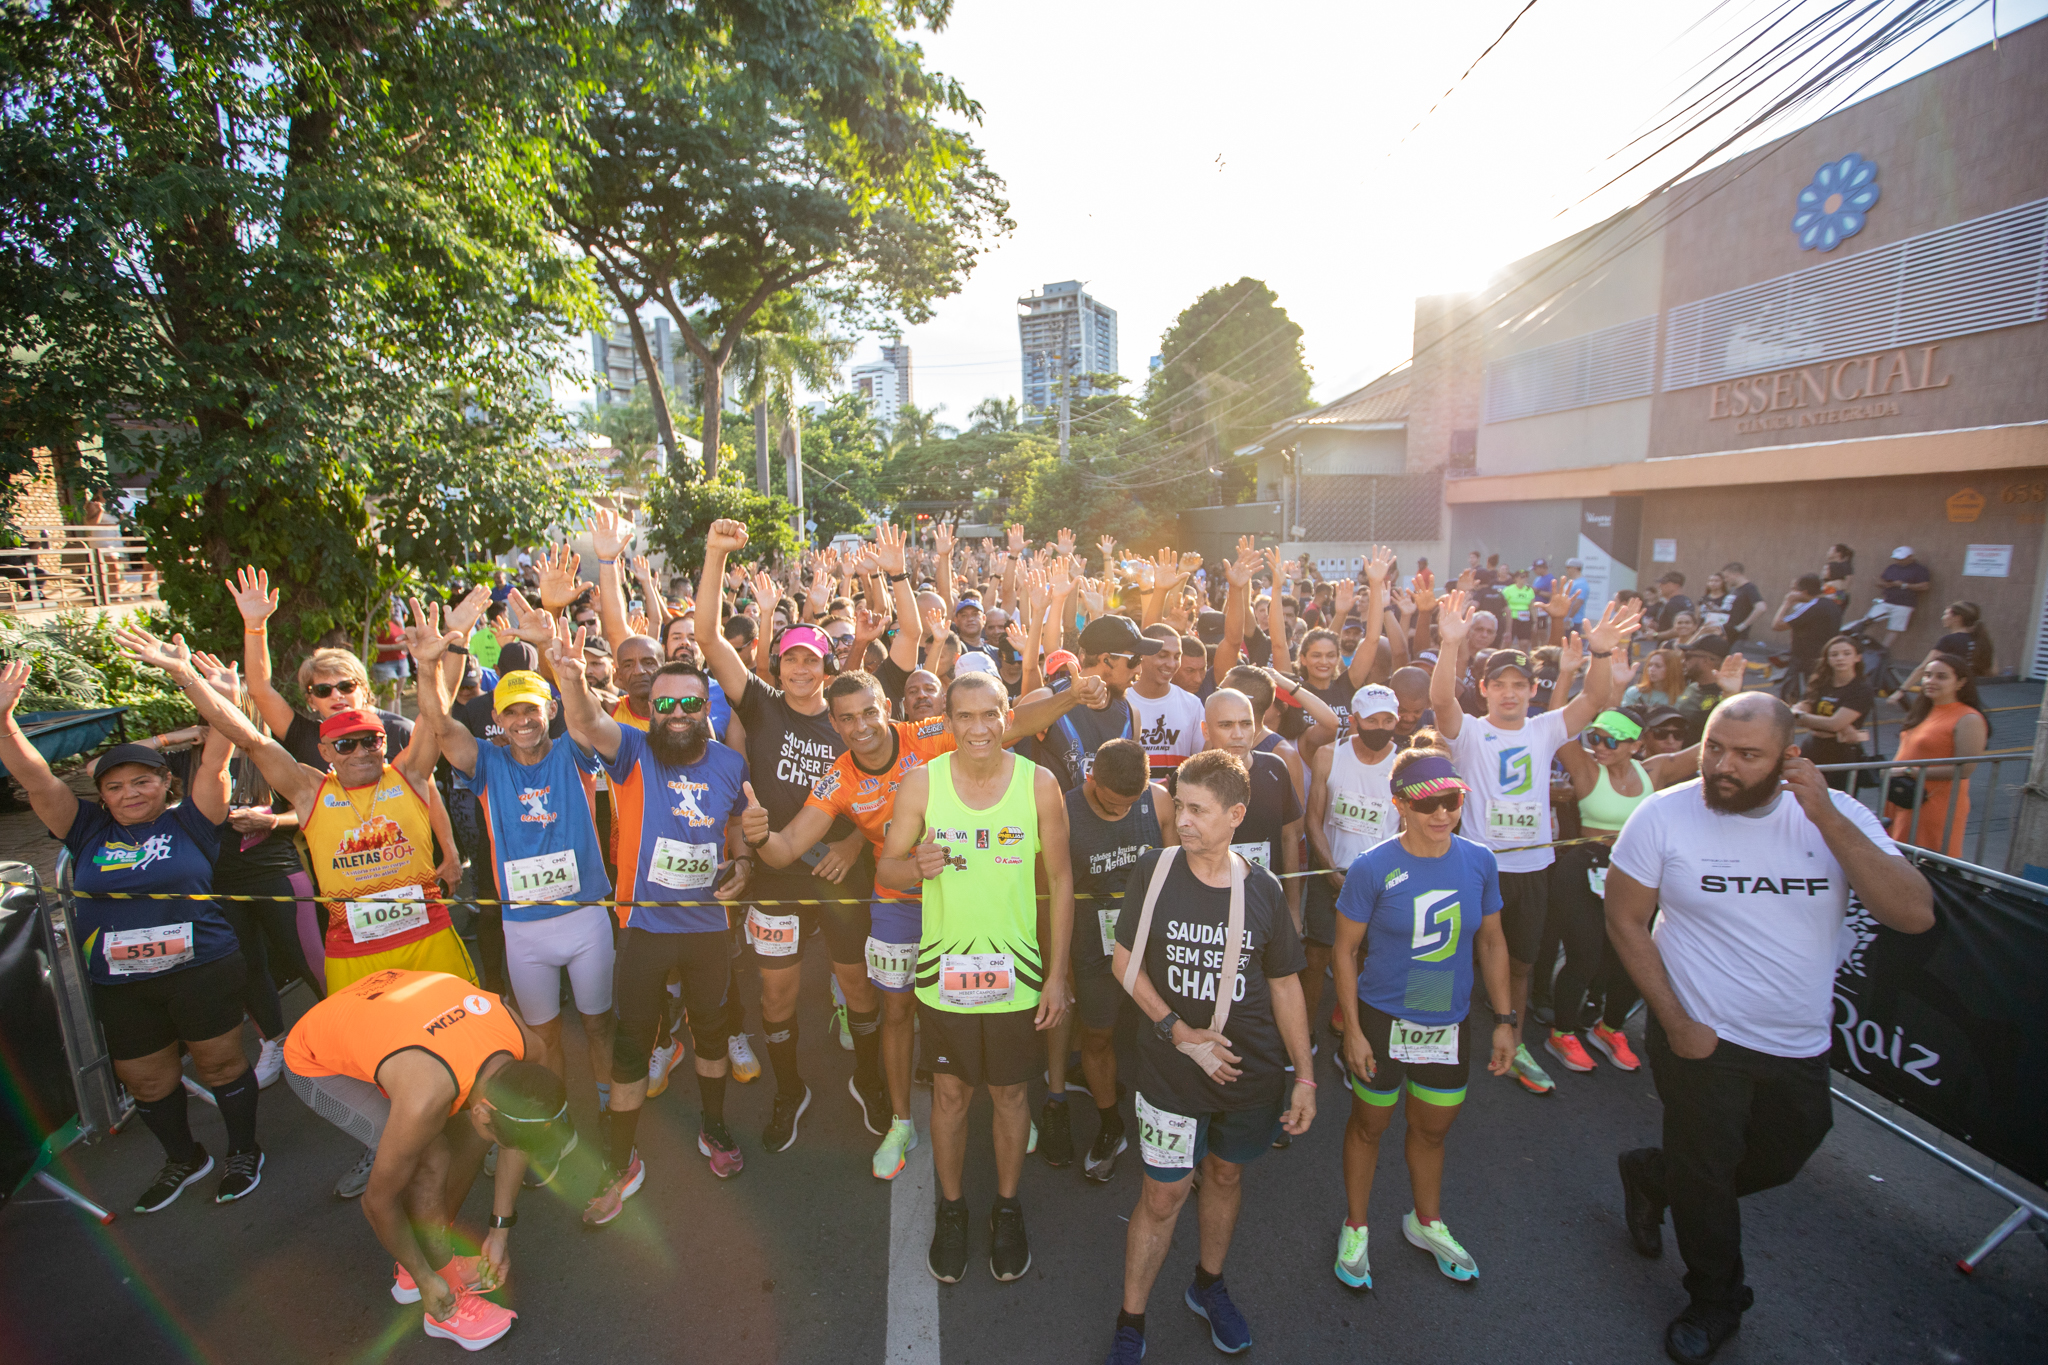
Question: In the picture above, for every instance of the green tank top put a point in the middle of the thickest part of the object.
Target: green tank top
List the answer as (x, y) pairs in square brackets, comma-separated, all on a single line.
[(1604, 807), (979, 953)]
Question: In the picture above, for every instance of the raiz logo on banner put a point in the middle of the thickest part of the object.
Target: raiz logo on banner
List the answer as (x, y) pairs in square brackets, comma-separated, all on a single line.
[(1865, 1038)]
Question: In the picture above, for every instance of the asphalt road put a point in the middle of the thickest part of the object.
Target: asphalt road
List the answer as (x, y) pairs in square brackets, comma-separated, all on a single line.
[(790, 1261)]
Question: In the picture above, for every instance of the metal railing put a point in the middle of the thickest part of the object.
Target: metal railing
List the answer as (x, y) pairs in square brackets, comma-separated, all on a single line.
[(61, 567), (1985, 812)]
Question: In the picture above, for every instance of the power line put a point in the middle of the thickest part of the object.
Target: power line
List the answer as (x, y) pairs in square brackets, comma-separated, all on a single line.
[(1468, 71)]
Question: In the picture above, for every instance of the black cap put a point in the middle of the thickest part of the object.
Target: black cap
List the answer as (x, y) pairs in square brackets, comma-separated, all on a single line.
[(598, 645), (515, 655), (127, 753), (1209, 627), (1708, 644), (1501, 660), (1116, 635), (1658, 716)]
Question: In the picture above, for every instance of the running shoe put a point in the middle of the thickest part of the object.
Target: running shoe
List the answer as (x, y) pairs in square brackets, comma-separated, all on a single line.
[(947, 1260), (1354, 1268), (1453, 1260), (475, 1324), (1337, 1020), (1228, 1331), (839, 1026), (1009, 1252), (1613, 1045), (609, 1202), (463, 1274), (537, 1177), (745, 1066), (171, 1181), (356, 1178), (661, 1065), (243, 1173), (1567, 1048), (890, 1156), (715, 1144), (873, 1099), (780, 1134), (1031, 1142), (1532, 1076), (1641, 1207), (1128, 1347), (1697, 1334), (1057, 1127), (1100, 1163), (269, 1063)]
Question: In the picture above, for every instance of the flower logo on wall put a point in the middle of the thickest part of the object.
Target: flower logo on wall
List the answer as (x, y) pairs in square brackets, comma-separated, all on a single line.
[(1836, 204)]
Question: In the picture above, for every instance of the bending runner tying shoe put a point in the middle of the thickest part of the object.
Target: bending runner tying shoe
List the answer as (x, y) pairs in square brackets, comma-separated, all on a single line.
[(428, 1072), (1420, 909), (165, 974), (1505, 756), (678, 794), (1215, 1095), (968, 827)]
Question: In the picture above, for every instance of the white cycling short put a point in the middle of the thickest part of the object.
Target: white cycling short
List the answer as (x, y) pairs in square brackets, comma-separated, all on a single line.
[(1897, 616), (537, 950)]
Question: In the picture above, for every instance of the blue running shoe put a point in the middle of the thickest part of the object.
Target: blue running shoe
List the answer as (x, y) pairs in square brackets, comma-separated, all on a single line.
[(1128, 1348), (1228, 1331)]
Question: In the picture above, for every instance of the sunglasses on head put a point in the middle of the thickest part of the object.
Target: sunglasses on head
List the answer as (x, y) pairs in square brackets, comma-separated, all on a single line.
[(345, 687), (348, 744), (689, 706), (1442, 801)]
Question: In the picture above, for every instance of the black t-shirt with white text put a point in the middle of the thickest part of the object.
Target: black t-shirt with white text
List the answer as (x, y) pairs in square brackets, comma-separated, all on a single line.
[(1856, 695), (1271, 809), (787, 752)]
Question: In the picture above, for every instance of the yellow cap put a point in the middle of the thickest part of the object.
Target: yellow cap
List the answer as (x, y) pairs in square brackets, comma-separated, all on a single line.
[(521, 685)]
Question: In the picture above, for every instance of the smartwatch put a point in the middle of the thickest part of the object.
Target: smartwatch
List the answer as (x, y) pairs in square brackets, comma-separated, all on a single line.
[(505, 1220), (1511, 1017), (1164, 1025)]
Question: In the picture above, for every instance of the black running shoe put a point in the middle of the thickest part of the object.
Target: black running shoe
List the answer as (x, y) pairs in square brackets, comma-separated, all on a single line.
[(873, 1099), (780, 1134), (1642, 1207), (1009, 1254), (171, 1181), (244, 1173), (1697, 1334), (947, 1259), (1100, 1163), (1055, 1134)]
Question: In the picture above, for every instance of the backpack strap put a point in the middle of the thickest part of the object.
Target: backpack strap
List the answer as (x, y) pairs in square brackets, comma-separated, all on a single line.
[(1233, 942), (1136, 961)]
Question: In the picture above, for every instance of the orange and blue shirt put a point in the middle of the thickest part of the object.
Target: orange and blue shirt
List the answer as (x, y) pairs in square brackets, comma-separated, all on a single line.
[(669, 822), (869, 799)]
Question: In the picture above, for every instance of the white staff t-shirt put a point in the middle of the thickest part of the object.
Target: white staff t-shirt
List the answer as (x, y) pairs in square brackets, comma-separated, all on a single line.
[(1753, 912), (1508, 808), (1170, 727)]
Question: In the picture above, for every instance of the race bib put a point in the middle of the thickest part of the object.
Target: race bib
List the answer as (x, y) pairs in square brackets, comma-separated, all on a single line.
[(1355, 813), (384, 913), (969, 980), (134, 952), (1425, 1044), (1514, 822), (1596, 877), (1165, 1140), (771, 935), (544, 877), (1259, 854), (683, 867), (1107, 920), (891, 965)]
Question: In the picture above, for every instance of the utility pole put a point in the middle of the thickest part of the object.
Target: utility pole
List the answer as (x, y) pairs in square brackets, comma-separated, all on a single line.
[(793, 473), (1066, 401)]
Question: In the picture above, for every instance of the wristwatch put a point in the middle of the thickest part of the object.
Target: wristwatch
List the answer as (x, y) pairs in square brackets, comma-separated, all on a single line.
[(1511, 1017), (458, 649), (1164, 1025), (898, 577), (505, 1220)]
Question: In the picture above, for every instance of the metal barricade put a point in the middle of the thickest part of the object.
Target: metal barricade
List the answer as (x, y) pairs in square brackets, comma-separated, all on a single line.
[(1983, 813), (103, 1105)]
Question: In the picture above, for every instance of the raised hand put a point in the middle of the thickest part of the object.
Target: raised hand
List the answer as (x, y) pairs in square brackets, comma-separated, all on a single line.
[(725, 537), (1064, 540), (1189, 562), (464, 615), (1015, 635), (1616, 624), (1347, 595), (222, 677), (1275, 567), (558, 585), (1425, 599), (14, 676), (254, 597), (754, 819), (889, 548), (1015, 535), (1108, 547), (942, 540), (1623, 673), (1379, 566), (610, 532), (1731, 673), (172, 657), (765, 591), (530, 623), (566, 653), (1454, 616), (820, 593), (423, 638), (1571, 652)]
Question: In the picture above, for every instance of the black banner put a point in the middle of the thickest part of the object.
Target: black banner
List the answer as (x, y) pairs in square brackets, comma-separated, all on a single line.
[(36, 1095), (1953, 1023)]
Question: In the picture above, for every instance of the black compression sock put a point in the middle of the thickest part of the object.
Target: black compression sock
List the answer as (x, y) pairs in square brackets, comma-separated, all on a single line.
[(1134, 1320), (1203, 1279), (625, 1128), (166, 1118), (1112, 1119), (867, 1043), (711, 1090), (782, 1056), (237, 1101)]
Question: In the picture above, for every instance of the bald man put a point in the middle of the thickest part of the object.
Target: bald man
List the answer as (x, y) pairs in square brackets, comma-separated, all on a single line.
[(1411, 691)]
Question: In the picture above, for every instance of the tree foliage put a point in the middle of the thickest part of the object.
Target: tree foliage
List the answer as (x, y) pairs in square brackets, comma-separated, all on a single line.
[(1230, 367), (683, 510)]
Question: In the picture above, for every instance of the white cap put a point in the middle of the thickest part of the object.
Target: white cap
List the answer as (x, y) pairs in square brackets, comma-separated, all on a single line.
[(1903, 552), (1375, 699), (973, 661)]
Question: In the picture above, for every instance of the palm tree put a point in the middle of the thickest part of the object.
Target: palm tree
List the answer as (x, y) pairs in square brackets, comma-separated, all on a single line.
[(994, 414)]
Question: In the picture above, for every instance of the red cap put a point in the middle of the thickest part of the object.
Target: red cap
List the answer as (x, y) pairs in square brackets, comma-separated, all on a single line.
[(1057, 660), (1286, 699), (350, 722)]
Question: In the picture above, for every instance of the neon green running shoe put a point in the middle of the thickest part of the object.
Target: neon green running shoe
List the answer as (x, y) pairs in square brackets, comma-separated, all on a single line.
[(1352, 1266), (839, 1024), (1532, 1076), (901, 1141), (1031, 1144), (1453, 1260)]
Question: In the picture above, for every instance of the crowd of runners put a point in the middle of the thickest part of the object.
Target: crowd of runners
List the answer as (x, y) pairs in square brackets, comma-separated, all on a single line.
[(1030, 806)]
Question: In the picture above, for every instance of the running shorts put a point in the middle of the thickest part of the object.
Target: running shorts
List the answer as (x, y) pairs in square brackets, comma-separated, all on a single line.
[(1432, 1083), (640, 990), (191, 1005), (779, 935), (538, 950), (895, 929), (437, 952), (1239, 1136), (1000, 1048), (1098, 996), (1319, 911), (356, 1107), (1525, 905)]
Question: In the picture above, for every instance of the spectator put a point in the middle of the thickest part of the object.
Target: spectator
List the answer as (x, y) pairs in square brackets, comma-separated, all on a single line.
[(1665, 731), (1812, 620), (1712, 671), (1837, 700), (1520, 598), (1671, 600), (1945, 721), (1541, 579), (1839, 567), (1685, 628), (1423, 577), (1476, 566), (1966, 637), (1713, 604), (1906, 580), (1745, 602), (1660, 683)]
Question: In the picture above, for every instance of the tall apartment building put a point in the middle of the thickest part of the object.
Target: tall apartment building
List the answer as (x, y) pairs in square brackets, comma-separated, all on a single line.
[(885, 383), (618, 372), (1063, 331)]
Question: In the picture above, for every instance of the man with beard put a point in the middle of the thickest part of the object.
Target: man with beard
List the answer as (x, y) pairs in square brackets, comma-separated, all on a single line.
[(1750, 870), (1350, 811), (1110, 649), (679, 794)]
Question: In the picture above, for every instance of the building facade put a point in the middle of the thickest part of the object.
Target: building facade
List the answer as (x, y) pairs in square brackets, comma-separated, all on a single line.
[(880, 385), (1062, 331)]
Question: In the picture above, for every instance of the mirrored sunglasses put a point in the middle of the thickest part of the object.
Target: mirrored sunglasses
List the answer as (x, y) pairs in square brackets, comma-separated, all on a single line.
[(689, 706)]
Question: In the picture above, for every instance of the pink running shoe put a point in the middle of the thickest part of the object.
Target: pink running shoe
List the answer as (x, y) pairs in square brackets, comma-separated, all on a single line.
[(715, 1142), (1614, 1043), (609, 1202), (475, 1324), (461, 1273), (1567, 1048)]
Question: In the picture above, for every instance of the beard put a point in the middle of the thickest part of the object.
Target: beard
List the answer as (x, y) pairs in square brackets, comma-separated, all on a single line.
[(1722, 793), (679, 748)]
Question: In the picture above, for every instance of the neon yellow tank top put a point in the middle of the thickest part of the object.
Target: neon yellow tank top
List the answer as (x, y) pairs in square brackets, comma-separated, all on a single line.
[(979, 954)]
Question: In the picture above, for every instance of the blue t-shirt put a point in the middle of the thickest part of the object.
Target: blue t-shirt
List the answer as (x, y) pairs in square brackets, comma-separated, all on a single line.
[(1419, 926), (174, 852), (721, 711), (543, 832), (670, 826)]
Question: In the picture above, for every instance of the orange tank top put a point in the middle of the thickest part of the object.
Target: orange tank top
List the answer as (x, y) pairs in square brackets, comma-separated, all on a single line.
[(373, 853), (623, 714), (1934, 737), (353, 1031)]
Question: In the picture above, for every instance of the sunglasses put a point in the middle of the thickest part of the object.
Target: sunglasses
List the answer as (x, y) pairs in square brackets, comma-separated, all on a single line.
[(348, 744), (1605, 740), (689, 706), (346, 687), (1127, 660), (841, 643), (1443, 801)]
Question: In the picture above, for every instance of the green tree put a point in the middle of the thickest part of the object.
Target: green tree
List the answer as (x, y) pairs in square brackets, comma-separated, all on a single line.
[(683, 510), (1230, 367), (994, 414)]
